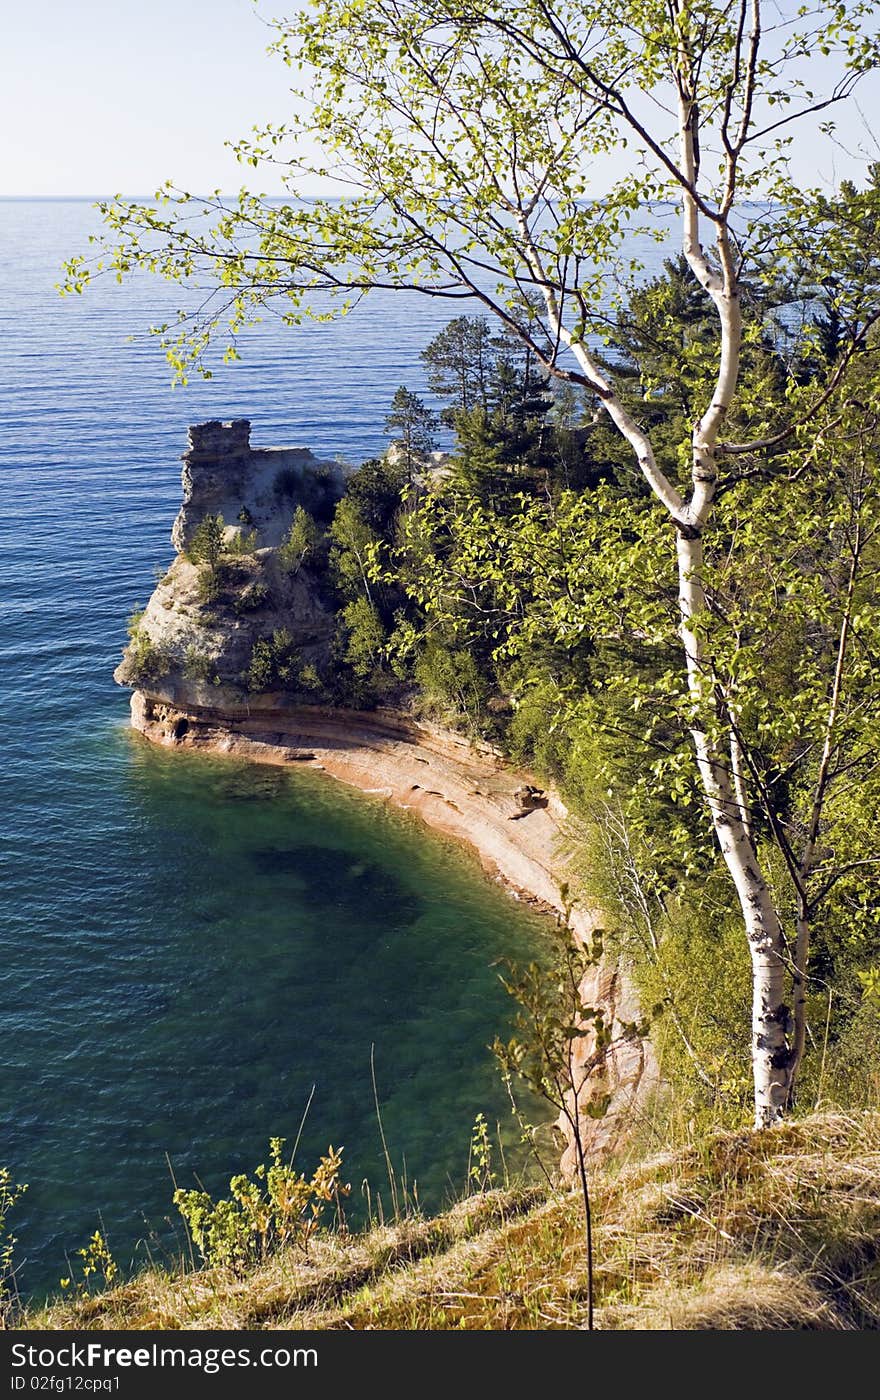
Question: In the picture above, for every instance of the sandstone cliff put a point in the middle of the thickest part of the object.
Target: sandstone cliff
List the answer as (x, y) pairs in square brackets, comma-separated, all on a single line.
[(239, 658), (256, 625)]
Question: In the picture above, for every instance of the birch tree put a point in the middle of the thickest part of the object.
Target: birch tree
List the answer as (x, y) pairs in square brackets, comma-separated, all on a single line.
[(504, 155)]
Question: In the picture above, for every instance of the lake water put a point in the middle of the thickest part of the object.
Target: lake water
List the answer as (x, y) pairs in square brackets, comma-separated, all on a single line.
[(189, 945)]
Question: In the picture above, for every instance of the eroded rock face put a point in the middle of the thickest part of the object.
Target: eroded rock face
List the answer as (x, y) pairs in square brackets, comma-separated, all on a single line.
[(259, 626), (235, 665), (251, 487), (617, 1079)]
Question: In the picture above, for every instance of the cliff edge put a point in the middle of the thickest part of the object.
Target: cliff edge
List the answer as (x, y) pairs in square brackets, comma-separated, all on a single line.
[(239, 619), (235, 654)]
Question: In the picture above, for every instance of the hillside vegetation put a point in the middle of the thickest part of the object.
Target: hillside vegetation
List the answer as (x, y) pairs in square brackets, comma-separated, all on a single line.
[(778, 1229)]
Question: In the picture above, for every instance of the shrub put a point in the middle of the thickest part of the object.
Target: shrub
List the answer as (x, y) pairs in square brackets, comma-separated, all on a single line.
[(376, 490), (686, 959), (309, 678), (273, 661), (453, 682), (146, 661), (134, 622), (9, 1194), (96, 1261), (300, 541), (261, 670), (206, 545), (252, 598), (277, 1208), (209, 584), (197, 666), (244, 542), (536, 732), (365, 637), (287, 482)]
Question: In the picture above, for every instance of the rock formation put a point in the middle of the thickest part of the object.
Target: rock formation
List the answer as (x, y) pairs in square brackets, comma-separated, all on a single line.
[(251, 487), (234, 636), (235, 657)]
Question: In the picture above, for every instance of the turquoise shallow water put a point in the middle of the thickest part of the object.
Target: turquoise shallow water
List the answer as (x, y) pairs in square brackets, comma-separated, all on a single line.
[(223, 938), (187, 945)]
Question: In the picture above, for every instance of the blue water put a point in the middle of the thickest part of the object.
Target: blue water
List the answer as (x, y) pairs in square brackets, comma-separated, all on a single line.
[(189, 945)]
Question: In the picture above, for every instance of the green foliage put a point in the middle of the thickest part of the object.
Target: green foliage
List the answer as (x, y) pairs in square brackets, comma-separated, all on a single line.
[(870, 980), (570, 606), (353, 549), (459, 361), (375, 490), (207, 547), (10, 1193), (537, 734), (299, 542), (480, 1173), (276, 1208), (287, 483), (682, 945), (315, 488), (848, 1071), (197, 666), (243, 542), (499, 400), (145, 661), (261, 669), (501, 184), (207, 543), (254, 597), (310, 679), (451, 683), (98, 1266), (412, 427), (209, 584), (134, 622), (364, 636), (273, 662)]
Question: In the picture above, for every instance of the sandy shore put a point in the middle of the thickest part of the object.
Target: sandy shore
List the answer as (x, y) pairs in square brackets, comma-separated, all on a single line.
[(464, 790)]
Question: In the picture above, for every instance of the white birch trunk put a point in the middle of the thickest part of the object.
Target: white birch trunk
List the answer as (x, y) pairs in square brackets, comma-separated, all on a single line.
[(771, 1056), (726, 795), (726, 791)]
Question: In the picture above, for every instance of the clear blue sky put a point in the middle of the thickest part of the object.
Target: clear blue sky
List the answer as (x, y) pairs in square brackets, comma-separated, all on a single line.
[(106, 96)]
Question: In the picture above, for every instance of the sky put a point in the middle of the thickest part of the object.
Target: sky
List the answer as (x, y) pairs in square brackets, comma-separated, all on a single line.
[(100, 97), (115, 96)]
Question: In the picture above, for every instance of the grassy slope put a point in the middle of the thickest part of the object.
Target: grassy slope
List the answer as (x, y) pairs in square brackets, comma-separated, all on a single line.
[(779, 1229)]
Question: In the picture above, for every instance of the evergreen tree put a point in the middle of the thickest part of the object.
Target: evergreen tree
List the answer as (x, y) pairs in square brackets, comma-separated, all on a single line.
[(376, 490), (519, 391), (206, 545), (412, 425), (459, 362)]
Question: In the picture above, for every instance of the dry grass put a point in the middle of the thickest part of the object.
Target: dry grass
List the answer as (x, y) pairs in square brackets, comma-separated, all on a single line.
[(295, 1283), (743, 1231)]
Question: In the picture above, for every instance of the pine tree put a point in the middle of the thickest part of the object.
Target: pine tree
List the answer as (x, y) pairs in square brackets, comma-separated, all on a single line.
[(459, 362), (412, 426)]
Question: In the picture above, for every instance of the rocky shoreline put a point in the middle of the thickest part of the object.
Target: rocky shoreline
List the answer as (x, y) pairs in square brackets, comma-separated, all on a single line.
[(236, 653), (461, 790)]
